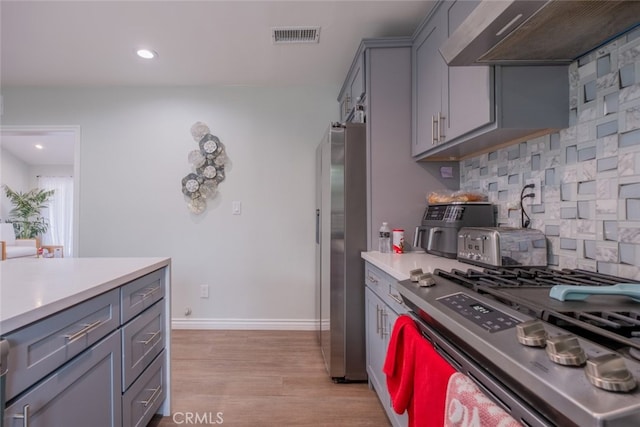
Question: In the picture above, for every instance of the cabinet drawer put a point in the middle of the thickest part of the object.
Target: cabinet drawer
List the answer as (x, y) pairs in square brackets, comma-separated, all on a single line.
[(84, 392), (142, 340), (376, 279), (394, 300), (141, 294), (145, 396), (40, 348)]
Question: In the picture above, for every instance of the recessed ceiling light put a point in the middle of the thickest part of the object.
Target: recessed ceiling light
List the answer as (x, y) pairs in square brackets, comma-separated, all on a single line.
[(39, 146), (146, 53)]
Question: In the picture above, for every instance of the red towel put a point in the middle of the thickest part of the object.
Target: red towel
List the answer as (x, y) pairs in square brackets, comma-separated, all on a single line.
[(417, 376)]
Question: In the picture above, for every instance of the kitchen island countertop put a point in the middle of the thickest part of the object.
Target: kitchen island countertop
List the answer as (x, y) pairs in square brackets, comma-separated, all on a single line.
[(399, 265), (34, 288)]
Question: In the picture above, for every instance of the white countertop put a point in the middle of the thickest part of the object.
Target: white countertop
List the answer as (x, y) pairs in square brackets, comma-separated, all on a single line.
[(399, 265), (33, 288)]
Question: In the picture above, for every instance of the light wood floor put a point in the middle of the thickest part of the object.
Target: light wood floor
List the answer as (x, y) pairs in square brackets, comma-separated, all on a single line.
[(262, 378)]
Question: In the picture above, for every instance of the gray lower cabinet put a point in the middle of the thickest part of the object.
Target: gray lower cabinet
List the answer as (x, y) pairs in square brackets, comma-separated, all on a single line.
[(84, 392), (382, 307), (144, 375), (99, 363)]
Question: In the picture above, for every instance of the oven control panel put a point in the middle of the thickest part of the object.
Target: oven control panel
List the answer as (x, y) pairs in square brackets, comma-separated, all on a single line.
[(489, 318)]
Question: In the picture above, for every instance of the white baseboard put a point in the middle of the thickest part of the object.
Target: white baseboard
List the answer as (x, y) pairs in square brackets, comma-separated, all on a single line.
[(246, 324)]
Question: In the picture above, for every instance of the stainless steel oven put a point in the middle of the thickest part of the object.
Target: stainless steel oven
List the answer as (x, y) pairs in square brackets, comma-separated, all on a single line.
[(500, 327)]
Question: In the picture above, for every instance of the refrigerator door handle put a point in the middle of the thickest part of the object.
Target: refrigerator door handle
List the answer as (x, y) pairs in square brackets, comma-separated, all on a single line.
[(318, 226)]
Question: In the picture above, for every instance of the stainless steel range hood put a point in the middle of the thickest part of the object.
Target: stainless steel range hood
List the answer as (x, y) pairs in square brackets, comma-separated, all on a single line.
[(537, 31)]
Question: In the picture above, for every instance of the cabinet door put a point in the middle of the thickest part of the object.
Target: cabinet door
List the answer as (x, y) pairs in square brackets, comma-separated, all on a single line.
[(376, 349), (357, 80), (84, 392), (353, 89), (345, 105), (428, 81), (468, 102), (398, 420)]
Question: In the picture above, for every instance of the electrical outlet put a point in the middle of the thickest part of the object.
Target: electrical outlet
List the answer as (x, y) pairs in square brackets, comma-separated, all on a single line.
[(537, 190), (204, 291)]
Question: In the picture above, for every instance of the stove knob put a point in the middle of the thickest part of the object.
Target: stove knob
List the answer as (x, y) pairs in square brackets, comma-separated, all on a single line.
[(565, 350), (609, 372), (531, 333)]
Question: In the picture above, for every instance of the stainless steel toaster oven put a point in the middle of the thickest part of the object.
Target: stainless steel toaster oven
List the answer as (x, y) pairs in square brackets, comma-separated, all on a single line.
[(502, 246)]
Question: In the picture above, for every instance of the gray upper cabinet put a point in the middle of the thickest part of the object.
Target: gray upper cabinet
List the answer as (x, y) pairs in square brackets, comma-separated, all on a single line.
[(464, 84), (428, 79), (353, 89), (441, 107), (462, 111)]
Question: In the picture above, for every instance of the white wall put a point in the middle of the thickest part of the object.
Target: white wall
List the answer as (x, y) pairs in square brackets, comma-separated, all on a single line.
[(14, 173), (133, 155)]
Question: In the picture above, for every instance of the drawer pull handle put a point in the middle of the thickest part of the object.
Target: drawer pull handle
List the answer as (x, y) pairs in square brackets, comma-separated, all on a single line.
[(24, 416), (396, 298), (148, 292), (154, 396), (372, 279), (87, 327), (153, 335)]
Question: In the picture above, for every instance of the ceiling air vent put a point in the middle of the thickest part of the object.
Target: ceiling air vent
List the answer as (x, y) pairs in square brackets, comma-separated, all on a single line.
[(295, 35)]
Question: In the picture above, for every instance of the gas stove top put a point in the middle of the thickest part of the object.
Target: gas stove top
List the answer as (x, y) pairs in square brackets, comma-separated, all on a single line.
[(553, 353), (613, 321)]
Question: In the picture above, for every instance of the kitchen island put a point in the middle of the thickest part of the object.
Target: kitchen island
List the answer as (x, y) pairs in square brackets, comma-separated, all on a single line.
[(89, 339)]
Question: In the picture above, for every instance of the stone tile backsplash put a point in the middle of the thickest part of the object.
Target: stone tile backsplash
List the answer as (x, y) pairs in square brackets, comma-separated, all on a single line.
[(589, 172)]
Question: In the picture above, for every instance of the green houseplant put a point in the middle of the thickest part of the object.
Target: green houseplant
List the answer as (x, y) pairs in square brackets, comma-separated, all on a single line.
[(25, 215)]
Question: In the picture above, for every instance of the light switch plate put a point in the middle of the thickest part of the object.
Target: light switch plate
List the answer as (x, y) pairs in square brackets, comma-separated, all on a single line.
[(236, 207), (204, 291)]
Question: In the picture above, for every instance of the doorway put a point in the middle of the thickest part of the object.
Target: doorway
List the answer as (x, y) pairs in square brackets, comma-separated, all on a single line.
[(30, 153)]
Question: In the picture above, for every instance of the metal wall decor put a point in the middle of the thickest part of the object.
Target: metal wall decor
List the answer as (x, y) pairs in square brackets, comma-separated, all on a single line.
[(207, 163)]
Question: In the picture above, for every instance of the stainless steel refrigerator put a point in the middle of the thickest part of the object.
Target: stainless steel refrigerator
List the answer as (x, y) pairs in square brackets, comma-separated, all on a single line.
[(341, 235)]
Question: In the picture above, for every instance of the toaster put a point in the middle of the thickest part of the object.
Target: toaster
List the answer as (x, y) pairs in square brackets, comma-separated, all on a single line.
[(502, 246)]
